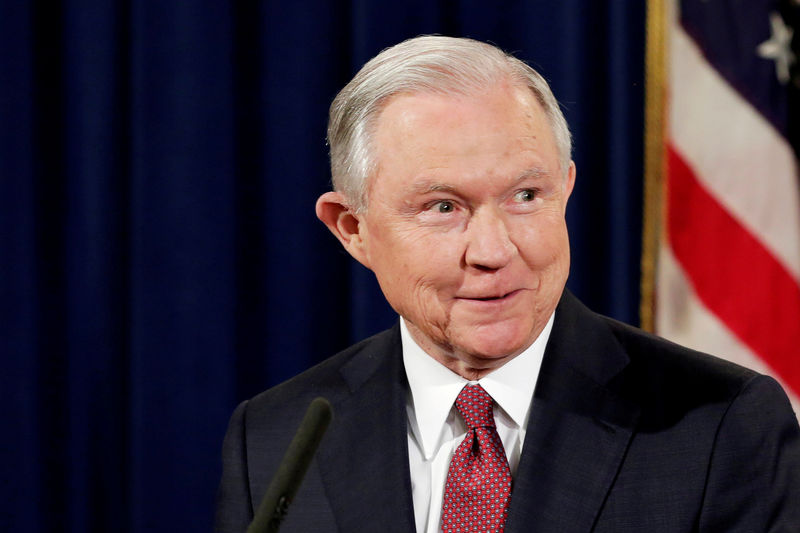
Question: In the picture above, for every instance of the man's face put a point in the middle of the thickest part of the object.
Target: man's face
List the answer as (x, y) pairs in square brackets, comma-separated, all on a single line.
[(465, 225)]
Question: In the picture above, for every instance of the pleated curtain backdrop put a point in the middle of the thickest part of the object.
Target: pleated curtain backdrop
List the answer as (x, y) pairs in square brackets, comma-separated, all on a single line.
[(160, 260)]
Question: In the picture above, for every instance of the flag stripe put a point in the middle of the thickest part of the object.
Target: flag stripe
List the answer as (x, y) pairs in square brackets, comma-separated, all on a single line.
[(733, 274), (744, 162)]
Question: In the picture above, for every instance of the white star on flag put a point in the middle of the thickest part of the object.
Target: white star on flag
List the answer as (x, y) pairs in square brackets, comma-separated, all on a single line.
[(779, 47)]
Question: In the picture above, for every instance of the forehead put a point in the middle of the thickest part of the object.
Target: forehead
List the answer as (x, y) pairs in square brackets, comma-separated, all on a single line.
[(502, 130)]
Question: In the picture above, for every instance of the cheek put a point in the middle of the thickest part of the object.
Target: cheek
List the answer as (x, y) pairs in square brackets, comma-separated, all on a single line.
[(412, 267), (427, 255), (419, 278), (544, 245), (430, 272)]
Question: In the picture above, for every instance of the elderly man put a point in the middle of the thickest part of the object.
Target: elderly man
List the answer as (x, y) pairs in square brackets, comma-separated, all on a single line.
[(498, 401)]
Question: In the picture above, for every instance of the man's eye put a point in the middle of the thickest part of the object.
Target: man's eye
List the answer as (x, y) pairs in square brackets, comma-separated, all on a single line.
[(445, 206), (528, 195)]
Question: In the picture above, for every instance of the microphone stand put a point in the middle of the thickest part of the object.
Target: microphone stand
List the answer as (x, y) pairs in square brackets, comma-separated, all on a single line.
[(292, 469)]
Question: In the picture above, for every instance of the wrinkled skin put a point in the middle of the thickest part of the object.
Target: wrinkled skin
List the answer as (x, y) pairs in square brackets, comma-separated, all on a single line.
[(465, 225)]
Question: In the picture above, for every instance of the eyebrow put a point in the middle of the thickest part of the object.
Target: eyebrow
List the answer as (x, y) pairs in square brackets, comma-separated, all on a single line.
[(426, 186), (533, 172)]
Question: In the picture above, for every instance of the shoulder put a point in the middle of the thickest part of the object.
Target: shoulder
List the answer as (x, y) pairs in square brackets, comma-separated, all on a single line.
[(671, 380), (332, 378), (705, 424), (745, 418), (666, 381), (662, 359), (639, 364), (261, 428)]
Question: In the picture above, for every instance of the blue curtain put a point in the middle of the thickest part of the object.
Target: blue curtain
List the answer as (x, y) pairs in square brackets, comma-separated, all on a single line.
[(160, 260)]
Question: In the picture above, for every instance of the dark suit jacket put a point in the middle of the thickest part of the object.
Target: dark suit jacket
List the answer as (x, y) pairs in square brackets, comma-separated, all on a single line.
[(627, 433)]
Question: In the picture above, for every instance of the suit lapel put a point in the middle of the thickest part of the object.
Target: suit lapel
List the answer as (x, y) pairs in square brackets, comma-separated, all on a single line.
[(364, 460), (579, 427)]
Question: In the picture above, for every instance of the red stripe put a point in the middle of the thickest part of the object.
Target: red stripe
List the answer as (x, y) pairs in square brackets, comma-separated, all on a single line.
[(733, 274)]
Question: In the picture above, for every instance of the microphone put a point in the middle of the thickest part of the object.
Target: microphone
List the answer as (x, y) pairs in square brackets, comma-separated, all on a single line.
[(292, 469)]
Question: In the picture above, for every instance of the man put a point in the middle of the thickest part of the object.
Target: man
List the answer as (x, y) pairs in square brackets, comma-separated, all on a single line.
[(498, 401)]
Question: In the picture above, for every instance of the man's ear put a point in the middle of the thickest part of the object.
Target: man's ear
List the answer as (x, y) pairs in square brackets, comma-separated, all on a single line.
[(347, 225), (569, 182)]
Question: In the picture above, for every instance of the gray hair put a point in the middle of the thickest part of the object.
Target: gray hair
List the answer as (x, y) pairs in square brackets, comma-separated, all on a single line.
[(427, 64)]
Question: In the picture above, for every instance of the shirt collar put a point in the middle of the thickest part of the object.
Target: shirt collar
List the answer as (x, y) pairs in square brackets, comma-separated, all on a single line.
[(434, 387)]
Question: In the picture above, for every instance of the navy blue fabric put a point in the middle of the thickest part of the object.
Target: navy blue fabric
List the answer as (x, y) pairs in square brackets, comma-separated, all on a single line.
[(160, 260)]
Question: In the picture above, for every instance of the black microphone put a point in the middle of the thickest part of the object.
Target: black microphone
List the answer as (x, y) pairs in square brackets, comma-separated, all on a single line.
[(287, 479)]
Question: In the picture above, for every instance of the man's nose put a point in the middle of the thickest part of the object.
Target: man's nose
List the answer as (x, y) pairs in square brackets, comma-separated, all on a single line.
[(489, 245)]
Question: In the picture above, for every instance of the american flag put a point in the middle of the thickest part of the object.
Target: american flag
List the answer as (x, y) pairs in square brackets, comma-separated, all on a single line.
[(728, 273)]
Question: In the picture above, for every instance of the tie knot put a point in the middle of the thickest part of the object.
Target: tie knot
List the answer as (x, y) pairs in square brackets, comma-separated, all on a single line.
[(475, 406)]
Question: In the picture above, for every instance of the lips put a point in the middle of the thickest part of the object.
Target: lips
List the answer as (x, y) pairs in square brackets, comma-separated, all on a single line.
[(489, 298)]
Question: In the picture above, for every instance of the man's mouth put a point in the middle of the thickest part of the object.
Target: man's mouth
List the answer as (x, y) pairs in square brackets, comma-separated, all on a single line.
[(489, 298)]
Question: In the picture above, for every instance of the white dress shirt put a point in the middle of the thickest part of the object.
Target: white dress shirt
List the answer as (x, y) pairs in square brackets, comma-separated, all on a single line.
[(435, 429)]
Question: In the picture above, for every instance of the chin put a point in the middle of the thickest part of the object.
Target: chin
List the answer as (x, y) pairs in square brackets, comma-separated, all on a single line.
[(497, 342), (497, 351)]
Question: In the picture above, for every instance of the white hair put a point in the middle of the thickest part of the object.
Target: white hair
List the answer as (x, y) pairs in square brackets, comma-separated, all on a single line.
[(427, 64)]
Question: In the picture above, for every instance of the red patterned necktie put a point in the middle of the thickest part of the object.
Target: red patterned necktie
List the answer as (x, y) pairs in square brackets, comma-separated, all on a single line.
[(478, 483)]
